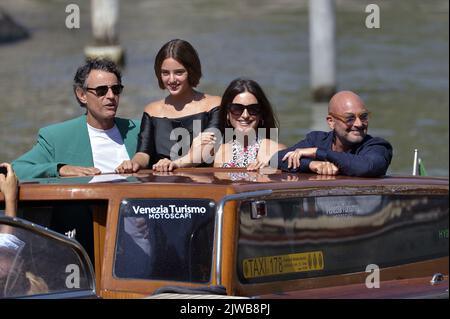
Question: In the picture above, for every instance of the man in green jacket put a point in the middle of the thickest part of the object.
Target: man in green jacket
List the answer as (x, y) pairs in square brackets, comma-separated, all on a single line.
[(91, 144)]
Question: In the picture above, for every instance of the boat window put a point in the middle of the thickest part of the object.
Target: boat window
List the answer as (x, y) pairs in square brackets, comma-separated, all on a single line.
[(34, 263), (165, 239), (319, 236), (72, 218)]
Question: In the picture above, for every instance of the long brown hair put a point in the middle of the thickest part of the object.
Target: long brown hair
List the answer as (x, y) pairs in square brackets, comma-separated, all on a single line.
[(239, 86)]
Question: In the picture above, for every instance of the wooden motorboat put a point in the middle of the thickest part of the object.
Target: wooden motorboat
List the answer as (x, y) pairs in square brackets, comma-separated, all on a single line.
[(254, 234)]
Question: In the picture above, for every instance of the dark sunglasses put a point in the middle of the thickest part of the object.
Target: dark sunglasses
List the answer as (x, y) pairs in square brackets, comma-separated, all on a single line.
[(102, 90), (350, 118), (238, 109)]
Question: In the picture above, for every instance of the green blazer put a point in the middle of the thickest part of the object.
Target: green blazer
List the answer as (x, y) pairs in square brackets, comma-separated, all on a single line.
[(68, 143)]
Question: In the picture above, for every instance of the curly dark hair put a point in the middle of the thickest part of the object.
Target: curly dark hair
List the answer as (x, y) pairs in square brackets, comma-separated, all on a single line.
[(79, 81)]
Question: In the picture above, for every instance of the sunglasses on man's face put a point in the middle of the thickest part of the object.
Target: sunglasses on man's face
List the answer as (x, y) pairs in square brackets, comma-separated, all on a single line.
[(237, 109), (350, 118), (102, 90)]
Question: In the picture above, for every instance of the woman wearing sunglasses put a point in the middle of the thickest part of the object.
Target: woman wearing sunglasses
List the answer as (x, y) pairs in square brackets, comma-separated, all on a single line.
[(249, 127), (161, 142)]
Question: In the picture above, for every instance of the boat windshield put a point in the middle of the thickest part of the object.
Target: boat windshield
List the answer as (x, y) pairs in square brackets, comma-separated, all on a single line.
[(34, 263), (165, 239)]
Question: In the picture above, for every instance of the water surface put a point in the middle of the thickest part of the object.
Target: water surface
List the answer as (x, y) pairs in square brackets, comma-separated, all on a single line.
[(400, 70)]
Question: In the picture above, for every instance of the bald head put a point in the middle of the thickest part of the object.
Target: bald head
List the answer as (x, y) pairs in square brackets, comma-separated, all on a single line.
[(345, 101), (348, 118)]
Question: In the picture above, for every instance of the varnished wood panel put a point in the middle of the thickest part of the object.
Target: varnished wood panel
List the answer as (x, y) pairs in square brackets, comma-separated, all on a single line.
[(99, 224), (110, 283)]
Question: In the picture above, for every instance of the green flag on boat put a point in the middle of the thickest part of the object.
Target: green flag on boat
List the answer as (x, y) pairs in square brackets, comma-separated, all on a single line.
[(418, 167), (422, 170)]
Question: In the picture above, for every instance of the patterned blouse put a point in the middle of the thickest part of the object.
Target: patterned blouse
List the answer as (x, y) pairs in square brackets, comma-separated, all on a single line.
[(242, 156)]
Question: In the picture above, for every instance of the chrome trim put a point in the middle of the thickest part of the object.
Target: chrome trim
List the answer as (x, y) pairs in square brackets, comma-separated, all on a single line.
[(437, 278), (219, 225), (35, 228), (78, 294), (254, 213)]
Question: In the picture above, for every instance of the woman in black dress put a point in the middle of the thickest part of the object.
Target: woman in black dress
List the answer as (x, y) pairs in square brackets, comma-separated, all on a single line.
[(171, 126)]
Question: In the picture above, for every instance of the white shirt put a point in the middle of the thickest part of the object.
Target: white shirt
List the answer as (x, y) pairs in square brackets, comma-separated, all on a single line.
[(108, 149)]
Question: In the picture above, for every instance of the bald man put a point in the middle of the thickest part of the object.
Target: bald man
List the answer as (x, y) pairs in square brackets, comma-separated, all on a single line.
[(347, 149)]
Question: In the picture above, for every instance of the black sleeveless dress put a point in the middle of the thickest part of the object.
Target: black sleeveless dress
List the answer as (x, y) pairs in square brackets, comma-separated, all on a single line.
[(155, 136)]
